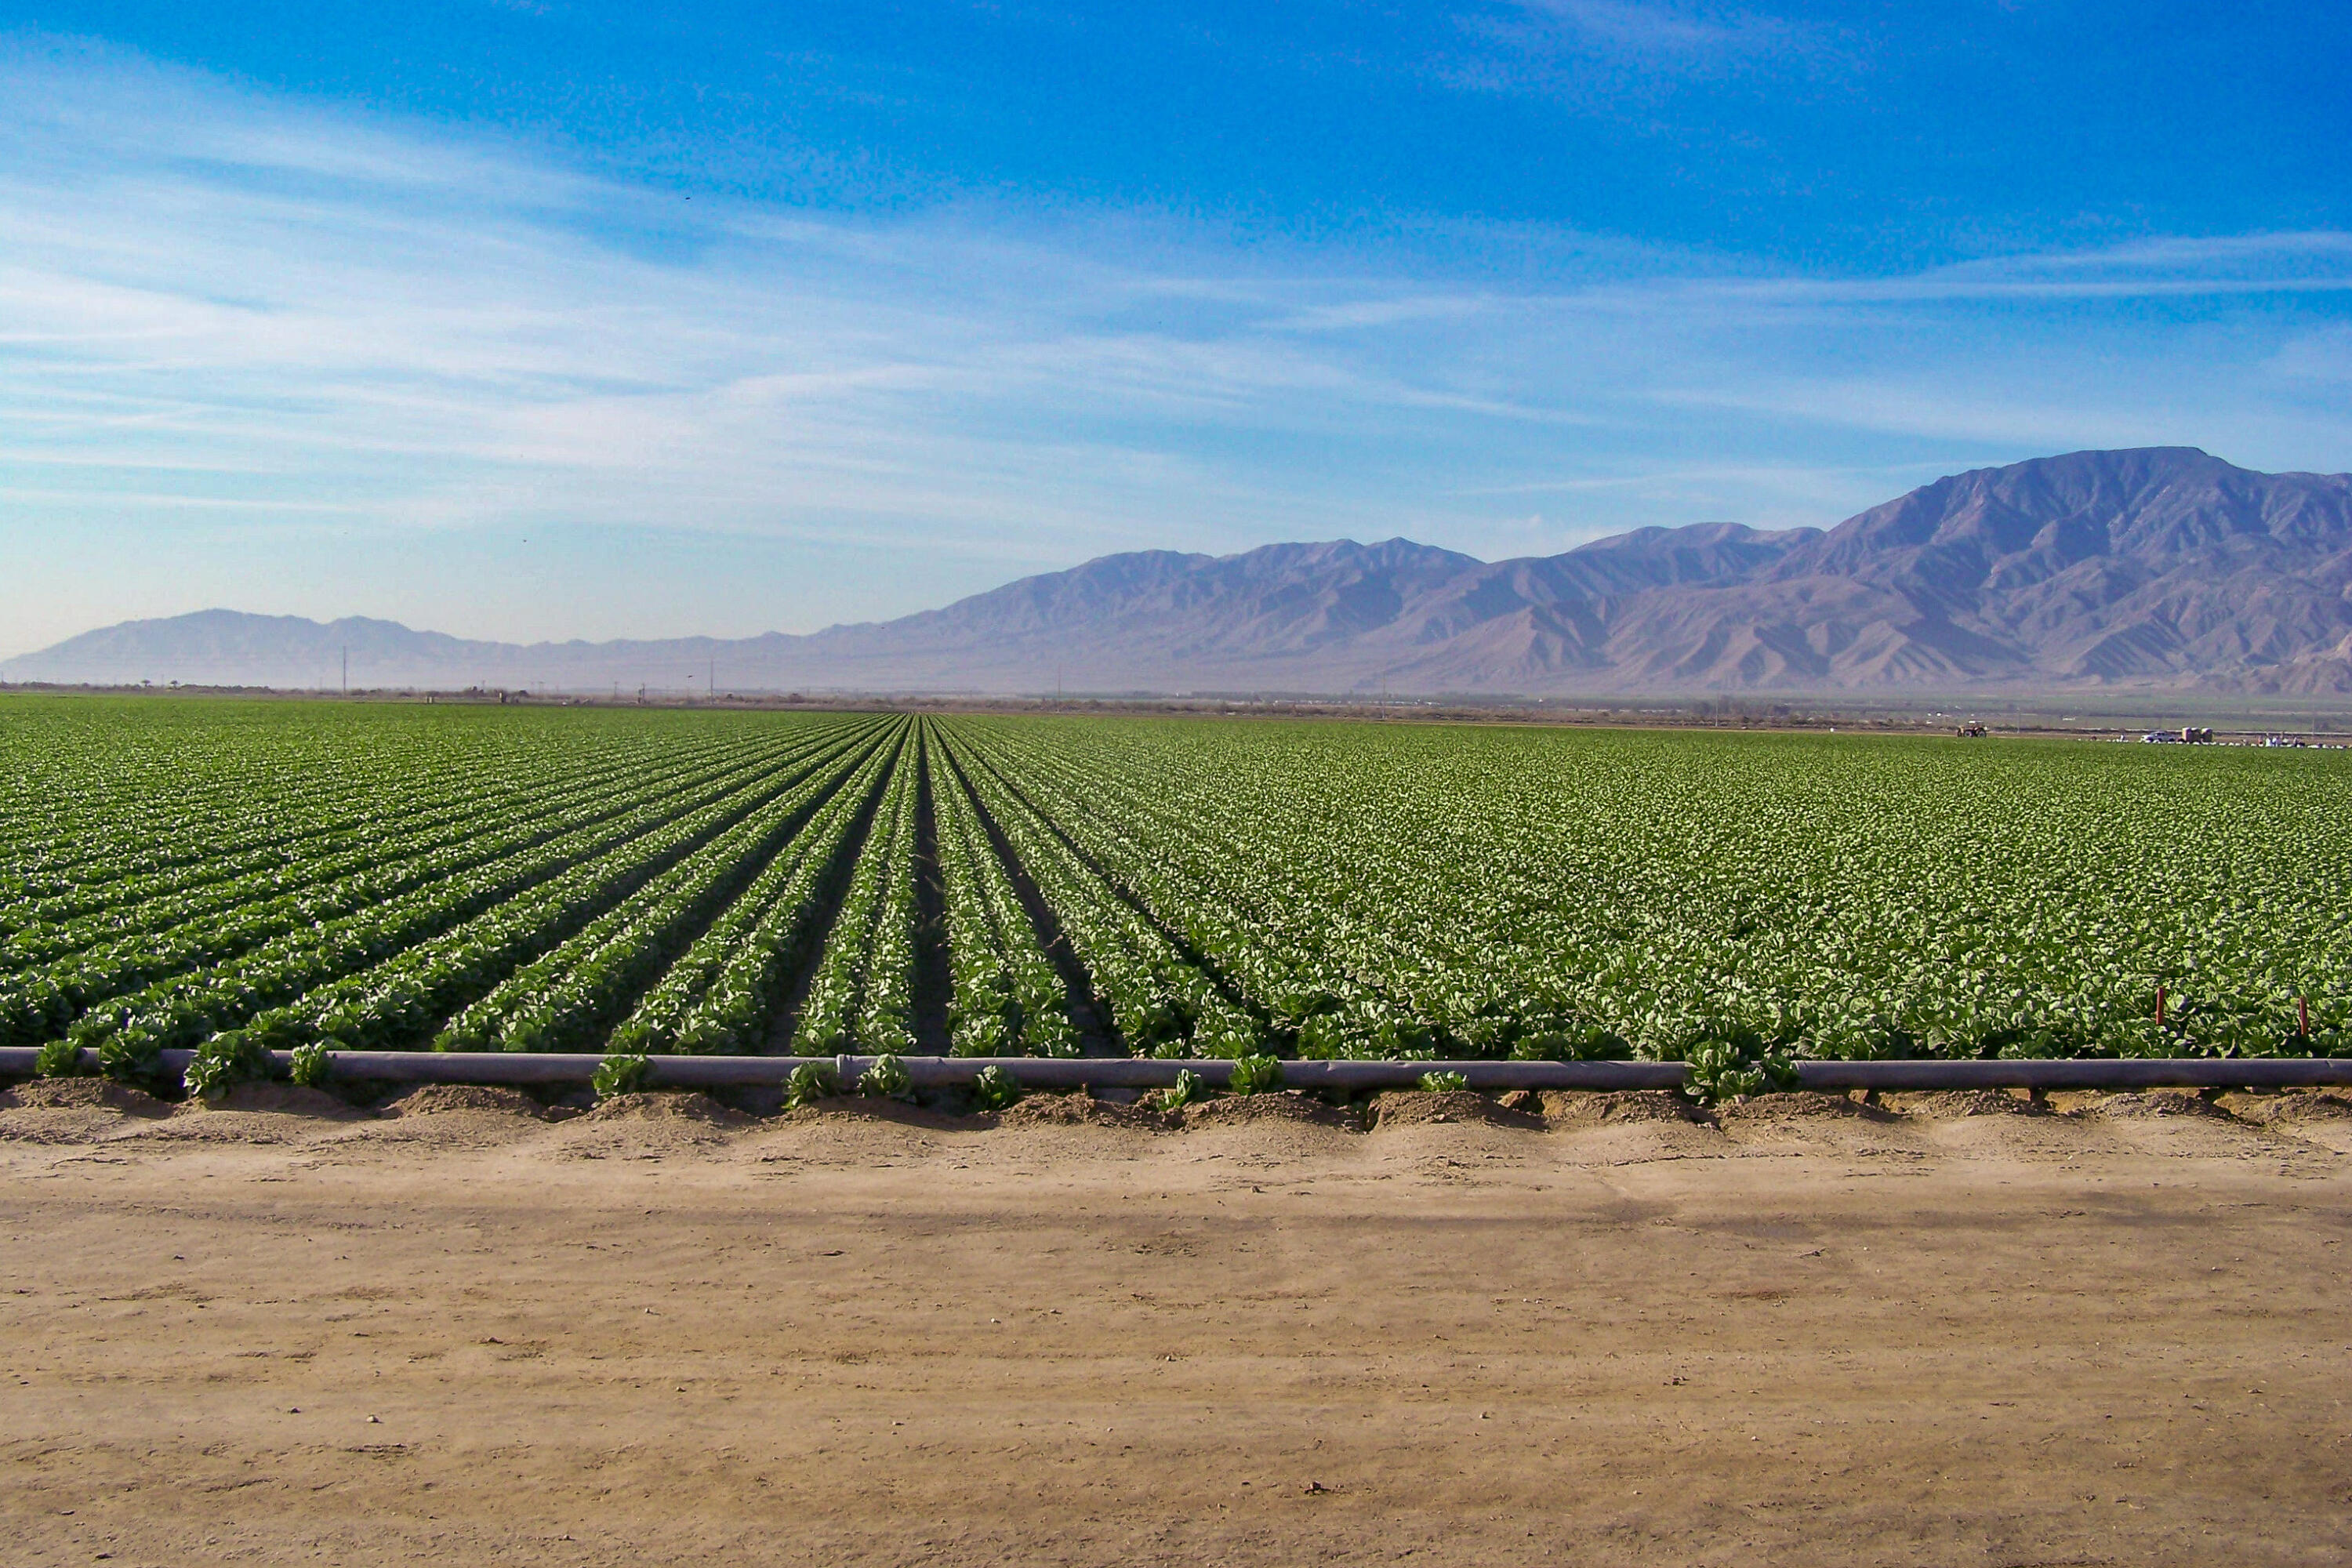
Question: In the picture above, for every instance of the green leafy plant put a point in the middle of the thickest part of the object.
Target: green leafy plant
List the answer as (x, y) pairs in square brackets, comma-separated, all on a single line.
[(131, 1057), (129, 1045), (811, 1081), (995, 1088), (1255, 1075), (1324, 1037), (887, 1078), (1228, 1038), (58, 1058), (1188, 1089), (1720, 1069), (1555, 1039), (228, 1059), (621, 1072), (312, 1064), (1443, 1082), (1535, 894)]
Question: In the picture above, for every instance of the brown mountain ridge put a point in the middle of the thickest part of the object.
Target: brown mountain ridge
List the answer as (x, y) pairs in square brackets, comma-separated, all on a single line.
[(2156, 567)]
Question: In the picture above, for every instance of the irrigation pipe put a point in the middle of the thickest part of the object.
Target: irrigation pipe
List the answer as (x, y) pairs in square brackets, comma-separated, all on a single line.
[(1341, 1077)]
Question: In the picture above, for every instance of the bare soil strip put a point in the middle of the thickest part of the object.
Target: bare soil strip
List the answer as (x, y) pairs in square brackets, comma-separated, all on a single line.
[(1570, 1328)]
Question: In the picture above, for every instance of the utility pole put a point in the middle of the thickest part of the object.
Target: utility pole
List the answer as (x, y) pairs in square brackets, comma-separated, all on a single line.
[(347, 671), (713, 692)]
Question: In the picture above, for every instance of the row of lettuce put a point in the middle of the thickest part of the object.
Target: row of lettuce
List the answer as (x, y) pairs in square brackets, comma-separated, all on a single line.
[(538, 931), (1330, 890), (990, 886)]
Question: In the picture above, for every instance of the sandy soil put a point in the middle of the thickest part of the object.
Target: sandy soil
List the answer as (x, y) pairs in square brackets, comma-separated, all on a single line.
[(1576, 1329)]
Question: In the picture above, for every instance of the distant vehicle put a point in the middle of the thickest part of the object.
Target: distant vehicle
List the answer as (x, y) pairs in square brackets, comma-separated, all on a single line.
[(2188, 734), (1971, 730)]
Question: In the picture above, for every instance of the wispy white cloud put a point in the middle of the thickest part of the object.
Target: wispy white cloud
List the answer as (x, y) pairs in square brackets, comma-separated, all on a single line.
[(2323, 357), (1654, 28), (284, 319), (1635, 48)]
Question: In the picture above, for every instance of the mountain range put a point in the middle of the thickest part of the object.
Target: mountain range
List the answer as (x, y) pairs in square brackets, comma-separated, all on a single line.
[(2158, 567)]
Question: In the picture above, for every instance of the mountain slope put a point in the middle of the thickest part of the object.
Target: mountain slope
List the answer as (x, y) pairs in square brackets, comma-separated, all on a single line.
[(2157, 564), (2159, 567)]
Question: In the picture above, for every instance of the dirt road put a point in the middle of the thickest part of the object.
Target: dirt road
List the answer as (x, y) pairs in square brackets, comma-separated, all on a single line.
[(1815, 1334)]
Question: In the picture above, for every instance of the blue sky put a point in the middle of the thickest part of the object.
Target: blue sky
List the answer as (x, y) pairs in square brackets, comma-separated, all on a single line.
[(539, 318)]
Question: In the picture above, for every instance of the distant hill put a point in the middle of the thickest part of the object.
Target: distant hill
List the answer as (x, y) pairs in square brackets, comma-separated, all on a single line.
[(2161, 567)]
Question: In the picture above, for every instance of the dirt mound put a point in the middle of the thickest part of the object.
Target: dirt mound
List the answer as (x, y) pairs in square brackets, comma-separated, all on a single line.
[(2321, 1117), (1585, 1108), (1780, 1124), (454, 1117), (1249, 1109), (443, 1098), (2156, 1102), (75, 1111), (1799, 1105), (1951, 1104), (1076, 1111), (1419, 1108), (82, 1094), (2294, 1105), (2182, 1124), (877, 1108), (281, 1099), (667, 1105), (852, 1134), (651, 1126)]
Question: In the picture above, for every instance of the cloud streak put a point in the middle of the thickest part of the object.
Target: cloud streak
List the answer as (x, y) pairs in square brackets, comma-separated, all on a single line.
[(1656, 29), (1635, 50), (220, 304)]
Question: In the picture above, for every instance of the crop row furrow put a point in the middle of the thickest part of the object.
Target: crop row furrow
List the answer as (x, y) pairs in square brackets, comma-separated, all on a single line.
[(1007, 999), (42, 1004), (565, 999), (1157, 1000), (1270, 939), (861, 954), (187, 837), (525, 905), (113, 901), (722, 994), (238, 912)]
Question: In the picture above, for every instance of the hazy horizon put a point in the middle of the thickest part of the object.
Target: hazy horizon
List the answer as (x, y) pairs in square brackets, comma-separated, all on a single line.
[(550, 321), (265, 612)]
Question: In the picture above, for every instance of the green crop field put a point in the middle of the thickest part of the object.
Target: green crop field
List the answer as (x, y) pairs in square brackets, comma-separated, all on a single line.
[(175, 872)]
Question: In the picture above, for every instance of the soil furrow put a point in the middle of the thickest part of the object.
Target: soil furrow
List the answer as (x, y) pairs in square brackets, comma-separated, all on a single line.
[(835, 888), (1096, 1037), (933, 986), (1216, 976)]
